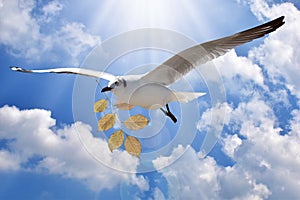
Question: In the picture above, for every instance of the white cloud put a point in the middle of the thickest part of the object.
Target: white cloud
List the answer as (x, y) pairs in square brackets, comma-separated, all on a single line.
[(8, 161), (265, 162), (277, 56), (48, 12), (255, 113), (18, 29), (197, 178), (231, 143), (32, 133), (265, 166), (158, 195), (279, 53), (21, 33), (267, 156), (52, 8), (230, 65), (295, 124), (202, 178), (280, 96), (211, 124), (216, 116), (73, 40)]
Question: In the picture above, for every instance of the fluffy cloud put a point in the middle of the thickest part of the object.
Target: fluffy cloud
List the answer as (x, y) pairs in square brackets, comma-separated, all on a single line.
[(73, 40), (231, 66), (18, 29), (279, 52), (216, 116), (275, 61), (23, 34), (231, 143), (158, 194), (196, 177), (265, 161), (266, 155), (9, 161), (52, 8), (32, 133)]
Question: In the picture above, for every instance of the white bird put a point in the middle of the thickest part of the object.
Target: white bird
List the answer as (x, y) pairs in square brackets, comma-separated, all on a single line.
[(150, 90)]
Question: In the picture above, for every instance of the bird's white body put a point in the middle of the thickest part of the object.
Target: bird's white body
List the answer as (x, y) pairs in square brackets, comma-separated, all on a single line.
[(156, 96), (138, 92), (150, 90)]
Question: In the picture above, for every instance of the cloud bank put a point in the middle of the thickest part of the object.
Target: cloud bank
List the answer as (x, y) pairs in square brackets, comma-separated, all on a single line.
[(266, 162), (33, 32), (32, 134)]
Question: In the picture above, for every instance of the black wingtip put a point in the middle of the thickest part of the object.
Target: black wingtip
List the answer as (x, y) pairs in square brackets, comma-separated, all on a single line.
[(281, 19), (269, 26), (278, 22)]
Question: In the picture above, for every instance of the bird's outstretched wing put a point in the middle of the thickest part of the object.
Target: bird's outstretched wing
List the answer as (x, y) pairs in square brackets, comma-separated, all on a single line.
[(80, 71), (181, 63)]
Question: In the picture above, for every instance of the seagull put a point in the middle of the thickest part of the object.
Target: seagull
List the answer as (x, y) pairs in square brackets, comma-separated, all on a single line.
[(150, 90)]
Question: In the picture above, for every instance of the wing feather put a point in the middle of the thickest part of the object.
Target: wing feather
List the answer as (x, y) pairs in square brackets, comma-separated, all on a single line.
[(79, 71), (183, 62)]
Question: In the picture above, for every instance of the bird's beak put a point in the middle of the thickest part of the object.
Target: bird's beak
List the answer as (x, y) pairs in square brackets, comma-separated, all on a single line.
[(105, 89)]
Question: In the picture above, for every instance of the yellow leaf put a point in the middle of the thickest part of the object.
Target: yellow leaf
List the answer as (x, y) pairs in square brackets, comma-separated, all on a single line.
[(100, 105), (133, 146), (136, 122), (116, 140), (106, 122)]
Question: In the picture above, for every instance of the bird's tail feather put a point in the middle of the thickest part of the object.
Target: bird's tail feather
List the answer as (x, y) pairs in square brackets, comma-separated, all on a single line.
[(185, 97)]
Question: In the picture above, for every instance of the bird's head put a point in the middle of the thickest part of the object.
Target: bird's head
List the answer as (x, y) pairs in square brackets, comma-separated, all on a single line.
[(118, 83)]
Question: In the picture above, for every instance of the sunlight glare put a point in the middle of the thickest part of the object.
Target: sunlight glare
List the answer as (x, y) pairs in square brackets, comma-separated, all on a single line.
[(148, 12)]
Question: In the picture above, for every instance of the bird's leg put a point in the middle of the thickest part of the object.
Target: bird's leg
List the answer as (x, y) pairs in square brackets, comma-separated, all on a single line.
[(169, 114)]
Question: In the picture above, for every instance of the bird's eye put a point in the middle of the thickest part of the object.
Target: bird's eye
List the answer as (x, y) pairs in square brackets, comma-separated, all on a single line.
[(117, 83)]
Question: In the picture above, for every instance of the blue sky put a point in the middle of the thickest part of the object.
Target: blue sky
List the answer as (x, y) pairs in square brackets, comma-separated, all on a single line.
[(49, 146)]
